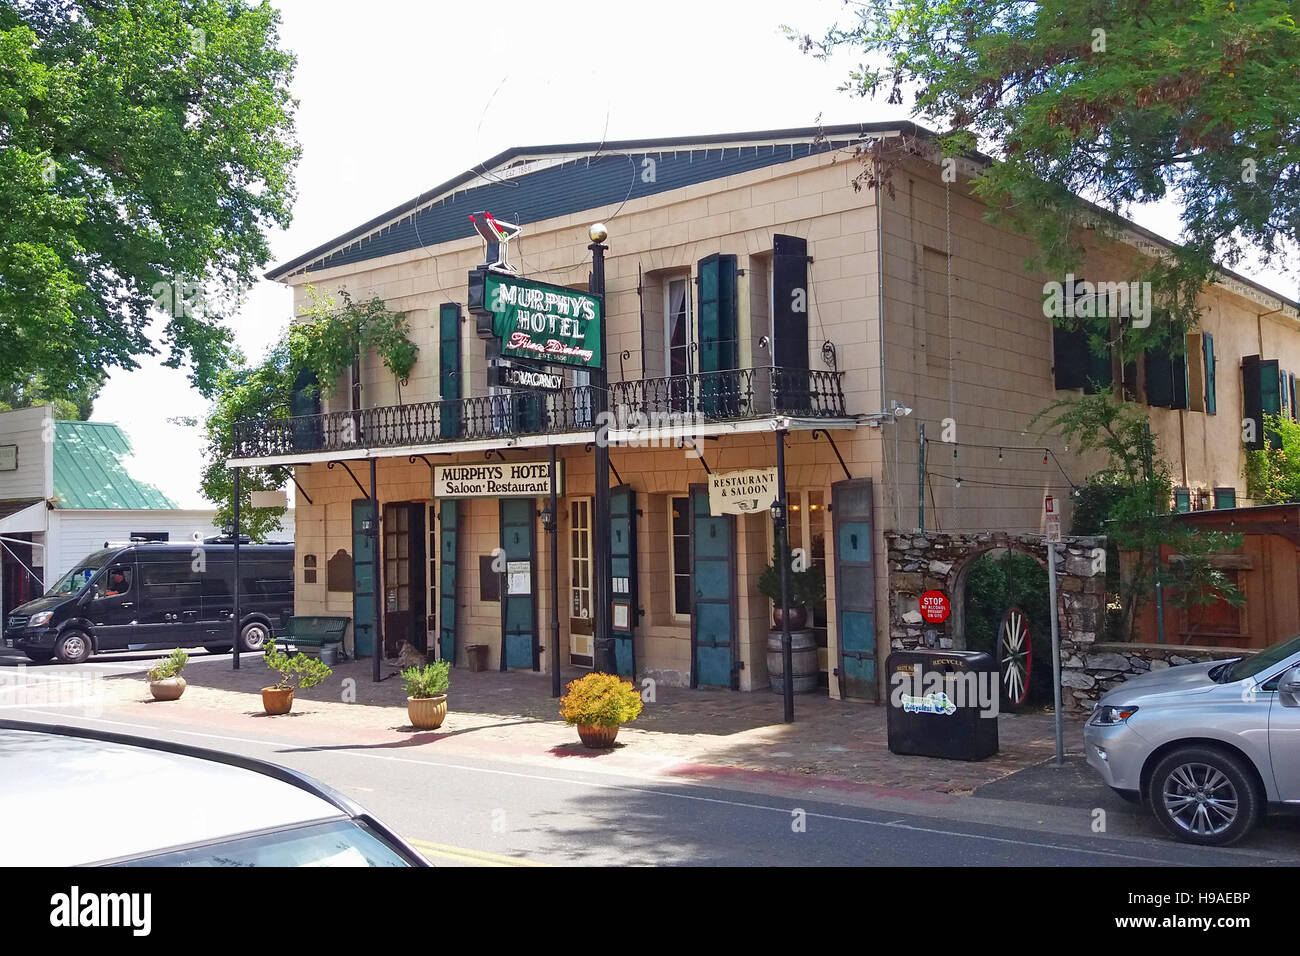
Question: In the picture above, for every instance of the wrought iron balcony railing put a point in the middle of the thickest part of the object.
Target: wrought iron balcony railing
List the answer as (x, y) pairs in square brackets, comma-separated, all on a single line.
[(728, 395)]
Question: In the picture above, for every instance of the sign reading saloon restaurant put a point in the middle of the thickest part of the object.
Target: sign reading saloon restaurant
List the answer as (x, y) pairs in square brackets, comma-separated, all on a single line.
[(742, 492), (543, 322), (506, 479)]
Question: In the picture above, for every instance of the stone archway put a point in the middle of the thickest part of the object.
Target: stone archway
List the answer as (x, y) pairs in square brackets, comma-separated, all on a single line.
[(921, 561)]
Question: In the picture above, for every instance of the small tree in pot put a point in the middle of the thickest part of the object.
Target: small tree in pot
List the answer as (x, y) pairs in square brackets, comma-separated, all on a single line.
[(597, 704), (807, 589), (298, 671), (165, 680), (426, 694)]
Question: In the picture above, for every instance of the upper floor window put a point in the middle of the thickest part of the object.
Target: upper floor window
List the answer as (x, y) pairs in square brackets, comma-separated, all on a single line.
[(679, 326)]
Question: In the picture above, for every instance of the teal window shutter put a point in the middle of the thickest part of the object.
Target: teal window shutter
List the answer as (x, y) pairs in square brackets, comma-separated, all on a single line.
[(449, 370), (1295, 411), (1160, 378), (1070, 358), (1225, 497), (718, 322), (1182, 500), (1211, 393)]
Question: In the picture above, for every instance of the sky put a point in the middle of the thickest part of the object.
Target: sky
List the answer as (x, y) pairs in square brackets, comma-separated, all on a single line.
[(398, 96)]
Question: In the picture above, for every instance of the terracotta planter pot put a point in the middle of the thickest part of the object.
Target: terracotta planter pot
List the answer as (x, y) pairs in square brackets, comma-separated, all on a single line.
[(276, 700), (798, 617), (427, 713), (596, 737), (170, 688)]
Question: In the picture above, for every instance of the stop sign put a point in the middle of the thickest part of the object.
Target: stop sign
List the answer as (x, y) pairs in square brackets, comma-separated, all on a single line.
[(934, 607)]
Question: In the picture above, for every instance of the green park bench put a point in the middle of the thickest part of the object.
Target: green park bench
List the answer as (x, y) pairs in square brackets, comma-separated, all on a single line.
[(311, 633)]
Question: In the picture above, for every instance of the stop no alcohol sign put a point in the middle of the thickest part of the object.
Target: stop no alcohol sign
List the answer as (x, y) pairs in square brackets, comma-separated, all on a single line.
[(934, 607)]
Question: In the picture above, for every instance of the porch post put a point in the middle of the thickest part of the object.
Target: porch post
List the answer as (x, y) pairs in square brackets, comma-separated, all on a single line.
[(234, 590), (783, 539), (601, 585), (373, 534), (553, 531)]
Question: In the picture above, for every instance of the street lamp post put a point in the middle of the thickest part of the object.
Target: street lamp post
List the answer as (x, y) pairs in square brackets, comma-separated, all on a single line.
[(550, 520), (601, 585)]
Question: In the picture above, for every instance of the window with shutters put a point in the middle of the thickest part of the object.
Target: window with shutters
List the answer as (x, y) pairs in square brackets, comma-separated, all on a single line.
[(1261, 396), (1195, 373), (1182, 499), (1225, 497)]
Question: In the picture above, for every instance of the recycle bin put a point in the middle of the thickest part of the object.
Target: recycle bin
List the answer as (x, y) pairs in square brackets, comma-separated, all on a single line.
[(943, 704)]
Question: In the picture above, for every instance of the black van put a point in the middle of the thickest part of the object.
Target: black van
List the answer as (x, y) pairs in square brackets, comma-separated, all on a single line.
[(158, 595)]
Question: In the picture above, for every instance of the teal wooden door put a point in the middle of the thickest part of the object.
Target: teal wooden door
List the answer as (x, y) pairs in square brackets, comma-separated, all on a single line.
[(447, 582), (365, 582), (713, 608), (622, 559), (519, 611), (855, 588)]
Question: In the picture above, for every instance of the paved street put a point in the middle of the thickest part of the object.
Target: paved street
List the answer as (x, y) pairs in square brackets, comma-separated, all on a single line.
[(498, 789)]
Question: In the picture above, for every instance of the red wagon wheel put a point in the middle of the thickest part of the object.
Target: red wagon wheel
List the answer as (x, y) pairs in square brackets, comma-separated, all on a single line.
[(1015, 657)]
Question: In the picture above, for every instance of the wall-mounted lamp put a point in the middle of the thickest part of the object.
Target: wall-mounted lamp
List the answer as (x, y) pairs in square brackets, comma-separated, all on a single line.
[(900, 410), (778, 513), (548, 519)]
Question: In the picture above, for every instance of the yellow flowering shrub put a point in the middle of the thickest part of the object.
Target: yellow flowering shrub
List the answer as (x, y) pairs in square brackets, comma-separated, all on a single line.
[(602, 700)]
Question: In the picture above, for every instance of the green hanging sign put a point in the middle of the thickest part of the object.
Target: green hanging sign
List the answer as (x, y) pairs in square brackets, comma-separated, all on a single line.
[(543, 322)]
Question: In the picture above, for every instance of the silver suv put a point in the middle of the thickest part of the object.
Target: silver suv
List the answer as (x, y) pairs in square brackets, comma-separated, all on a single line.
[(1208, 747)]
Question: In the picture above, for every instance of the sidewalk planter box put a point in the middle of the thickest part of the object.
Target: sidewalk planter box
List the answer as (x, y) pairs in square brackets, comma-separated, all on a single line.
[(597, 738), (476, 656), (169, 688), (277, 700), (943, 704), (426, 713)]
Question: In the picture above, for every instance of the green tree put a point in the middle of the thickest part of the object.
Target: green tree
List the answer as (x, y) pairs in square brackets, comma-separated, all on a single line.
[(1124, 103), (71, 402), (1135, 507), (1273, 473), (145, 149), (336, 331), (258, 390)]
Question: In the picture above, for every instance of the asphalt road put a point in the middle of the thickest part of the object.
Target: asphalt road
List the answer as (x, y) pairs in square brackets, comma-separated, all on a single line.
[(491, 812)]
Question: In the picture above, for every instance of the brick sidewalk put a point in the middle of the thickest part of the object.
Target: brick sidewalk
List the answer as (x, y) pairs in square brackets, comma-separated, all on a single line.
[(699, 733)]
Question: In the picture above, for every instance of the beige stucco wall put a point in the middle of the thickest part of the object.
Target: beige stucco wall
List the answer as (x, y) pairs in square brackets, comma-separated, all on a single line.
[(993, 373)]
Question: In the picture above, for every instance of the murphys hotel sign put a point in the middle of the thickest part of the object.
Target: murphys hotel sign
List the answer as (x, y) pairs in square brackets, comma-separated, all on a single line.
[(543, 322)]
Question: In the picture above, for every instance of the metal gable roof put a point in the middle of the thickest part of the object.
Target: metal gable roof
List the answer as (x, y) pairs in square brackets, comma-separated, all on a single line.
[(89, 471), (588, 175)]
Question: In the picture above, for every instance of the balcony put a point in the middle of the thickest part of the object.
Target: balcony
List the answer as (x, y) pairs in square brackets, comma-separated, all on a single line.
[(731, 395)]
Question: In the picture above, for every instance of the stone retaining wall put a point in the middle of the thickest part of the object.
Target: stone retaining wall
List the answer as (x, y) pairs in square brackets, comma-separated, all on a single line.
[(1088, 675), (920, 561)]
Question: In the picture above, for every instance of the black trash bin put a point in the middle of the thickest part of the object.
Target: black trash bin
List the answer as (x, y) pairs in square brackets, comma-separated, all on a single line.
[(938, 701)]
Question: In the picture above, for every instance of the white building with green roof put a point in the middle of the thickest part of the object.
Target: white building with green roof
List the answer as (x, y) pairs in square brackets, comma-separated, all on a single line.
[(67, 487)]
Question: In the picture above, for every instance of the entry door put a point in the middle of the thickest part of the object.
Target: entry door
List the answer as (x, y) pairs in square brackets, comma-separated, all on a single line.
[(855, 588), (622, 560), (713, 610), (404, 595), (581, 642), (170, 600), (519, 609), (447, 582), (364, 583)]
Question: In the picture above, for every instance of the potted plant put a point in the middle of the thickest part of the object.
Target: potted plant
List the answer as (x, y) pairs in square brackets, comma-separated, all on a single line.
[(165, 680), (298, 671), (807, 590), (597, 704), (426, 694)]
